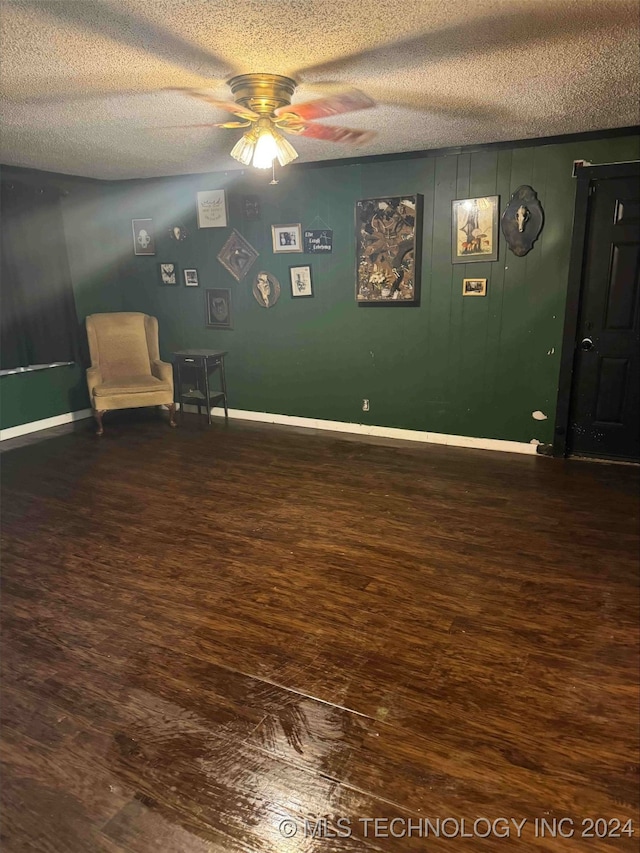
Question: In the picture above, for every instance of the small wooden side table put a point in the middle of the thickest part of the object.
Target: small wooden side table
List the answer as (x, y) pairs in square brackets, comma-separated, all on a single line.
[(198, 365)]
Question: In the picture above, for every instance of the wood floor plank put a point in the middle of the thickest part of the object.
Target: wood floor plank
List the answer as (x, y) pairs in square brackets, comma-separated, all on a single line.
[(206, 632)]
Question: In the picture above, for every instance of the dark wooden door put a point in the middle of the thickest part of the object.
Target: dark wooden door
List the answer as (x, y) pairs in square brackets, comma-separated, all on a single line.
[(604, 419)]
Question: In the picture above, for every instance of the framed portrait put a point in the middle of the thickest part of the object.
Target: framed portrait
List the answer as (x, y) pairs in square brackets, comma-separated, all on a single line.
[(212, 209), (300, 278), (266, 289), (237, 255), (168, 273), (474, 229), (178, 233), (218, 308), (474, 287), (143, 238), (286, 238), (388, 250), (190, 278)]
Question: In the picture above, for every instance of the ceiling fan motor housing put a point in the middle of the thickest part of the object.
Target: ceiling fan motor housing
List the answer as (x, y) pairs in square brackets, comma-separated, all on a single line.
[(262, 93)]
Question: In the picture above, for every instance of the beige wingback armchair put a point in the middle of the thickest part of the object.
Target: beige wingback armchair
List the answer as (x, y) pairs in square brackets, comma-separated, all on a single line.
[(126, 371)]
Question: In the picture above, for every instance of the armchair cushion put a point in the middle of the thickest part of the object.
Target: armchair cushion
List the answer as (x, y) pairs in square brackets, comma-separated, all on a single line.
[(131, 385)]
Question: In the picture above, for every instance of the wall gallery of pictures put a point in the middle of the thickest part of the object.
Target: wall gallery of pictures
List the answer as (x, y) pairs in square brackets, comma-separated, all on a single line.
[(388, 241)]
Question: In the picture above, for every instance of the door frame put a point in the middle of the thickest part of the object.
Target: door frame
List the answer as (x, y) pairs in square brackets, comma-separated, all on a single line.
[(585, 177)]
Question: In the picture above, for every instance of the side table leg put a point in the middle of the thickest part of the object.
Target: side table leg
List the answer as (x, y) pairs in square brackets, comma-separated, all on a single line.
[(224, 388), (206, 385)]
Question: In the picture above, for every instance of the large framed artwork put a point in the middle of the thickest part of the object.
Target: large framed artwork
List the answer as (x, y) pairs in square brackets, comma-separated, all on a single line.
[(212, 209), (389, 250), (474, 229)]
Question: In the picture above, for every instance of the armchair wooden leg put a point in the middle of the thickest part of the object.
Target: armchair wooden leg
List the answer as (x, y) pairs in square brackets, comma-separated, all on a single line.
[(97, 414), (172, 415)]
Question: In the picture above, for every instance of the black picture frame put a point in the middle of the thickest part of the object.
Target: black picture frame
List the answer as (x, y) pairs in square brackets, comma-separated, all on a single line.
[(300, 281), (190, 277), (218, 308), (166, 276), (470, 215), (388, 233), (144, 242)]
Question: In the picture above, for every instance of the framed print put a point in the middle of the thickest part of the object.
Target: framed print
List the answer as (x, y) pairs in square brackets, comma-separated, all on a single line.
[(300, 278), (474, 229), (251, 207), (212, 209), (178, 233), (266, 289), (318, 242), (168, 273), (474, 287), (389, 250), (237, 256), (286, 238), (191, 278), (143, 239), (218, 308)]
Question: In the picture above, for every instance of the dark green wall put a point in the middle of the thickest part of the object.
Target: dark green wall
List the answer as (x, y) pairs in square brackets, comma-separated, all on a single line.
[(474, 366), (89, 223)]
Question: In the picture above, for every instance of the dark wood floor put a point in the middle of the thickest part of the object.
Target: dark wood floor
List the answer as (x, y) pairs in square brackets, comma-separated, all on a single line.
[(207, 631)]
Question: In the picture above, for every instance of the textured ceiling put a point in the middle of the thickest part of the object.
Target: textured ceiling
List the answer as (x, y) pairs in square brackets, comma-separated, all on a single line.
[(82, 82)]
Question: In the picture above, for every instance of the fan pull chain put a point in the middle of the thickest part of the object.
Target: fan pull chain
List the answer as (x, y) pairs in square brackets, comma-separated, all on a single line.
[(273, 180)]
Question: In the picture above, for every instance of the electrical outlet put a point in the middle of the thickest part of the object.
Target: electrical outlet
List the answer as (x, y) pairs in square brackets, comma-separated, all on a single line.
[(365, 405)]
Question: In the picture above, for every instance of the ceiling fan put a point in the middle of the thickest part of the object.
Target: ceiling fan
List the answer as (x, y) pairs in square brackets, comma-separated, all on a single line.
[(262, 102)]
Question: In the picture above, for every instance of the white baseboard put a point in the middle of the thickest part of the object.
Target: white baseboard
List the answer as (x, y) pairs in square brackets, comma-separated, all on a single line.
[(381, 432), (308, 423), (47, 423)]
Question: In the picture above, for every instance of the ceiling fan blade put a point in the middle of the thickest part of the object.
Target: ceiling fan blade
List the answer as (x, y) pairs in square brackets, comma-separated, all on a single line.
[(502, 29), (227, 124), (332, 133), (126, 28), (229, 106), (341, 102)]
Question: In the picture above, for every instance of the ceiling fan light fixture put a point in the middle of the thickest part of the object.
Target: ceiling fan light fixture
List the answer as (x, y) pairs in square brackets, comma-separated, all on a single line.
[(286, 151), (271, 145), (266, 146), (244, 148)]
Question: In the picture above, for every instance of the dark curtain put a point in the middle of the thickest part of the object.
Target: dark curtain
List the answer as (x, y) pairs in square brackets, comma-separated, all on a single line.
[(37, 308)]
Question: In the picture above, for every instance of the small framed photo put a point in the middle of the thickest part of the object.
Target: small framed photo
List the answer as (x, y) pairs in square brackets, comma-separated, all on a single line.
[(474, 229), (212, 209), (191, 278), (178, 233), (218, 308), (300, 278), (143, 239), (474, 287), (286, 238), (168, 273)]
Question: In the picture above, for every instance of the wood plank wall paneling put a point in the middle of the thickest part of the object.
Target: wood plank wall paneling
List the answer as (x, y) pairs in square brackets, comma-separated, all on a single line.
[(475, 367)]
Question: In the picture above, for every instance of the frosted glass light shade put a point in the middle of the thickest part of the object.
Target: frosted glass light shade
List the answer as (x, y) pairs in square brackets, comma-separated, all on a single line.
[(244, 148), (262, 145), (266, 149)]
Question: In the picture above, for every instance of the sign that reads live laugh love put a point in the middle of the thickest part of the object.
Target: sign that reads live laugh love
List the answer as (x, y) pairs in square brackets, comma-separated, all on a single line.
[(318, 242)]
